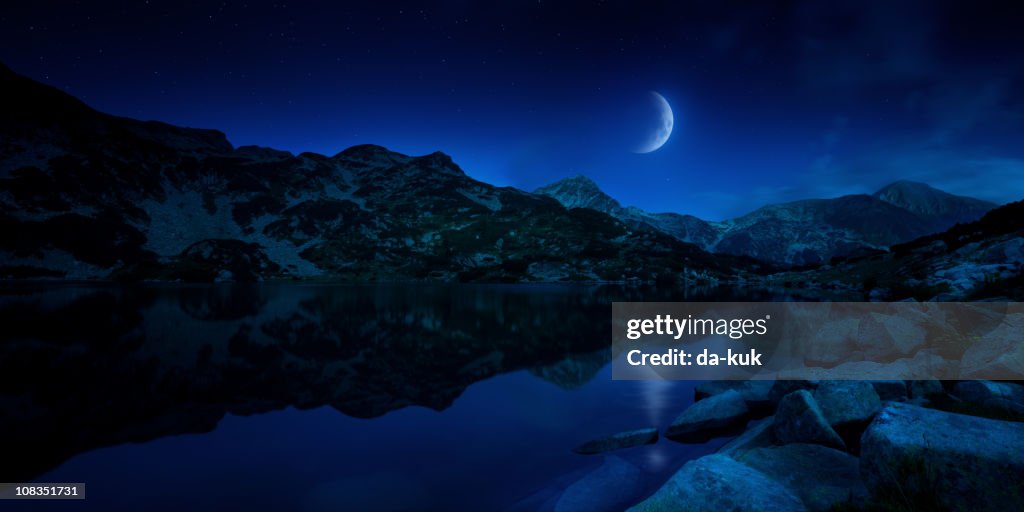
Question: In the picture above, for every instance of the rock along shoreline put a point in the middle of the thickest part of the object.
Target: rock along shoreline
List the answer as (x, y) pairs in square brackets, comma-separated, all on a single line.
[(850, 445)]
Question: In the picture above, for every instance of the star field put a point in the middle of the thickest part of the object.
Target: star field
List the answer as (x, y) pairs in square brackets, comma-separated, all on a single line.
[(774, 101)]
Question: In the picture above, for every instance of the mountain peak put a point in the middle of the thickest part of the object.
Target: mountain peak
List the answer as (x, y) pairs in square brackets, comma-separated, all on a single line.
[(437, 159), (580, 180), (580, 192), (905, 193), (929, 202), (363, 151), (903, 186), (438, 162), (372, 156)]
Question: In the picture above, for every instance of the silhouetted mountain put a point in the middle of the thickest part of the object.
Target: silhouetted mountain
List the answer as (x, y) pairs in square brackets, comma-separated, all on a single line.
[(88, 195), (799, 232)]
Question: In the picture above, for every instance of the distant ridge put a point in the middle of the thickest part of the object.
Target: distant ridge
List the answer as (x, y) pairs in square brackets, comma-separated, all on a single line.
[(799, 232), (87, 195)]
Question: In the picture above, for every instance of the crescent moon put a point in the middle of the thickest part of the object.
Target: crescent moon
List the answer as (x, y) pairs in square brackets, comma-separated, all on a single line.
[(660, 135)]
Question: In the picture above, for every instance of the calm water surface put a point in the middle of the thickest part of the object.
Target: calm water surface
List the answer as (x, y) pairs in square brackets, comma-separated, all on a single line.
[(323, 397)]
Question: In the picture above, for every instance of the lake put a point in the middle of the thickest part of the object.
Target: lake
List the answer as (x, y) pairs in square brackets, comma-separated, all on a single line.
[(326, 397)]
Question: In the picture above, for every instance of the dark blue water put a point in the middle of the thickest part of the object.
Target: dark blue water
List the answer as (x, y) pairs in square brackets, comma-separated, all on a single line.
[(302, 397), (506, 440)]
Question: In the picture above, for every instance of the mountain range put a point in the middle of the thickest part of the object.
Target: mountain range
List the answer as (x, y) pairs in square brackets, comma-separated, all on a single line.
[(800, 232), (87, 195), (983, 259)]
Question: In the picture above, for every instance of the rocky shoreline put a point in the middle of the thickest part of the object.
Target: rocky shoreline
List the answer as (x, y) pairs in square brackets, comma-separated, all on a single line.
[(849, 445)]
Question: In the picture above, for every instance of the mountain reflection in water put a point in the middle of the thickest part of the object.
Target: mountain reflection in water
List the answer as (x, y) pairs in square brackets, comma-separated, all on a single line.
[(84, 367)]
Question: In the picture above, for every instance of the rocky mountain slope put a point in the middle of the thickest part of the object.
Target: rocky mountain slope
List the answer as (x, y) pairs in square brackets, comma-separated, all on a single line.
[(582, 192), (976, 260), (941, 209), (87, 195), (800, 232)]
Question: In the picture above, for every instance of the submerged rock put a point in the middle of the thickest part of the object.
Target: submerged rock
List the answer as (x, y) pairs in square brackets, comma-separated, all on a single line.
[(619, 441), (927, 459), (712, 417), (799, 420), (821, 477), (718, 482), (610, 487), (847, 402)]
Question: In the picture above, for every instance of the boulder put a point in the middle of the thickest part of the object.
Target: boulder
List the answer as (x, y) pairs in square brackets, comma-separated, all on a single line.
[(925, 389), (718, 482), (821, 477), (618, 441), (712, 417), (928, 459), (610, 487), (756, 393), (884, 337), (781, 388), (999, 354), (799, 420), (1011, 250), (982, 390), (833, 339), (847, 402), (924, 364), (758, 434), (890, 389)]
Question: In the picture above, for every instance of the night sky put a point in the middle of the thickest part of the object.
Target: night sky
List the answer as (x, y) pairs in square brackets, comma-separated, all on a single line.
[(772, 101)]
